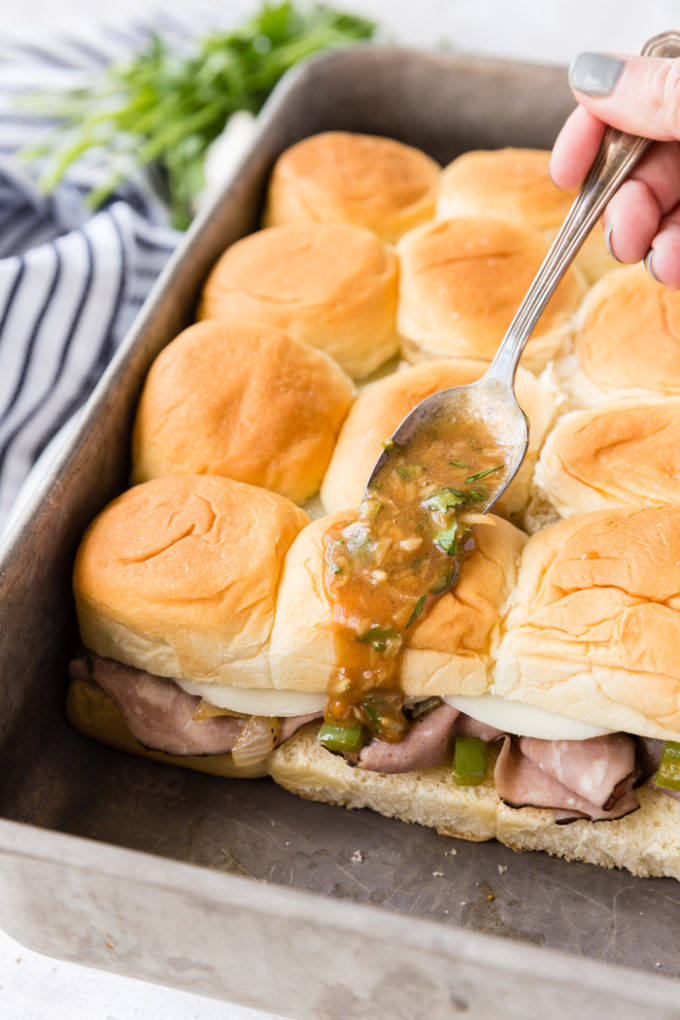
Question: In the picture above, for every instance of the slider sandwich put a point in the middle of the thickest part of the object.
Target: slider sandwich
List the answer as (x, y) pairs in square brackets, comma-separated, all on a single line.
[(333, 285), (245, 400), (623, 453), (514, 184), (461, 283), (626, 341), (175, 586), (377, 183)]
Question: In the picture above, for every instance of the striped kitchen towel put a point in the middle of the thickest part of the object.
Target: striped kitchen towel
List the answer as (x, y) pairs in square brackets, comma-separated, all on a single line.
[(71, 281)]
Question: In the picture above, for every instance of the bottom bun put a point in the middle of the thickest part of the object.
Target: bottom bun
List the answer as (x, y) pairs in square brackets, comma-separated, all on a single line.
[(90, 710), (646, 842)]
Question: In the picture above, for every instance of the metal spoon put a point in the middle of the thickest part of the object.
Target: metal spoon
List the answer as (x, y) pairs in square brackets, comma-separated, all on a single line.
[(491, 400)]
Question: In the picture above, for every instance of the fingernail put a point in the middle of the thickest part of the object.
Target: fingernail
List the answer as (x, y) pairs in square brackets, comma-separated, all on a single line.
[(648, 265), (595, 74), (608, 240)]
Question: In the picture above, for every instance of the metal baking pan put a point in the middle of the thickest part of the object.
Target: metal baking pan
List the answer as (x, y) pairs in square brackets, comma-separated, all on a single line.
[(236, 889)]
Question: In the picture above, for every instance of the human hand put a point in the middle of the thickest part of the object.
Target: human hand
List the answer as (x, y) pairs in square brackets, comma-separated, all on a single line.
[(640, 95)]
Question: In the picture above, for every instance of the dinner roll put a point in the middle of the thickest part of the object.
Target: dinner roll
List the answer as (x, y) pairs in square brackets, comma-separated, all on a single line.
[(450, 647), (626, 453), (595, 627), (626, 341), (244, 400), (462, 281), (331, 284), (382, 405), (515, 184), (178, 576), (377, 183)]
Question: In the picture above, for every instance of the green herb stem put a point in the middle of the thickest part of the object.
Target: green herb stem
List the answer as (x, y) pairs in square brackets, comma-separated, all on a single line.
[(166, 108)]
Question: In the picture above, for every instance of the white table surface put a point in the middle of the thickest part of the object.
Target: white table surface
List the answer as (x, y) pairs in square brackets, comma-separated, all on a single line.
[(35, 987)]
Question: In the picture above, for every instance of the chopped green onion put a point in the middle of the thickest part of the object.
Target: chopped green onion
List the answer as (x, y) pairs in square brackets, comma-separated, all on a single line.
[(417, 610), (408, 471), (469, 761), (348, 739), (475, 495), (482, 474), (380, 638), (445, 500), (668, 774), (458, 464), (389, 444), (448, 539)]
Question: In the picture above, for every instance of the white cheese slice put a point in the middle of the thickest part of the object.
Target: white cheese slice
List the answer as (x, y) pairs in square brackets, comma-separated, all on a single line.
[(252, 701), (523, 720)]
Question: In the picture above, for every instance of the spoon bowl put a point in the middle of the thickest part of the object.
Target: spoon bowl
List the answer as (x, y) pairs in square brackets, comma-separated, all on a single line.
[(489, 409)]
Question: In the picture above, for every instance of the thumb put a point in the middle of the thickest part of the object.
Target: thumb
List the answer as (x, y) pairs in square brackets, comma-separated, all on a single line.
[(640, 95)]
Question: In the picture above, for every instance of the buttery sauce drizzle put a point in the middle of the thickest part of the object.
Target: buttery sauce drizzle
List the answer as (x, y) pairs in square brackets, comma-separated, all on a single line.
[(386, 565)]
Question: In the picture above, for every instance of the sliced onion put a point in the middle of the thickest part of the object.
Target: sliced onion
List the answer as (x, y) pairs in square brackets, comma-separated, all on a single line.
[(256, 740)]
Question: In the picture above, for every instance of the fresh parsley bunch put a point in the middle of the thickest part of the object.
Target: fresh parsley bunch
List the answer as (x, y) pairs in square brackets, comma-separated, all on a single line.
[(165, 108)]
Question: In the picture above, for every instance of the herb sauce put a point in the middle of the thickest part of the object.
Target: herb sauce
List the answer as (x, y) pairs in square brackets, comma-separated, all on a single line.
[(402, 549)]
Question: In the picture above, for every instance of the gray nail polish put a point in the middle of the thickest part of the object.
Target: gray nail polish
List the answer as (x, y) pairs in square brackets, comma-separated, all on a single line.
[(648, 265), (608, 240), (595, 74)]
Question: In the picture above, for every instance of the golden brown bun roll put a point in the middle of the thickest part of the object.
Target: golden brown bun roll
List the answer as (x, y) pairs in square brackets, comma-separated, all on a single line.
[(333, 285), (620, 454), (90, 710), (512, 183), (515, 184), (450, 647), (243, 400), (179, 576), (462, 281), (595, 627), (382, 405), (646, 842), (626, 341), (373, 182)]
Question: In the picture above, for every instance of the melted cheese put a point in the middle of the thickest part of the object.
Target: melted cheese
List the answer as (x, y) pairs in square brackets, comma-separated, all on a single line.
[(251, 701), (523, 720)]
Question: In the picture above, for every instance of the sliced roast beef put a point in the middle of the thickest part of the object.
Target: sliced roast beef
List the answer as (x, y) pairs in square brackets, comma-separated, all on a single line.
[(520, 782), (290, 724), (427, 743), (649, 751), (598, 769), (466, 726), (160, 714), (625, 805)]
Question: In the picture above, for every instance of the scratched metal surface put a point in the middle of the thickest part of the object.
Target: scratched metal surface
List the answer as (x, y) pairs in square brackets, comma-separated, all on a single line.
[(56, 781), (255, 829)]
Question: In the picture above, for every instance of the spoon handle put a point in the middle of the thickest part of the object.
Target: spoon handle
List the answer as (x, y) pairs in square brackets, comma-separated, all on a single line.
[(618, 154)]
